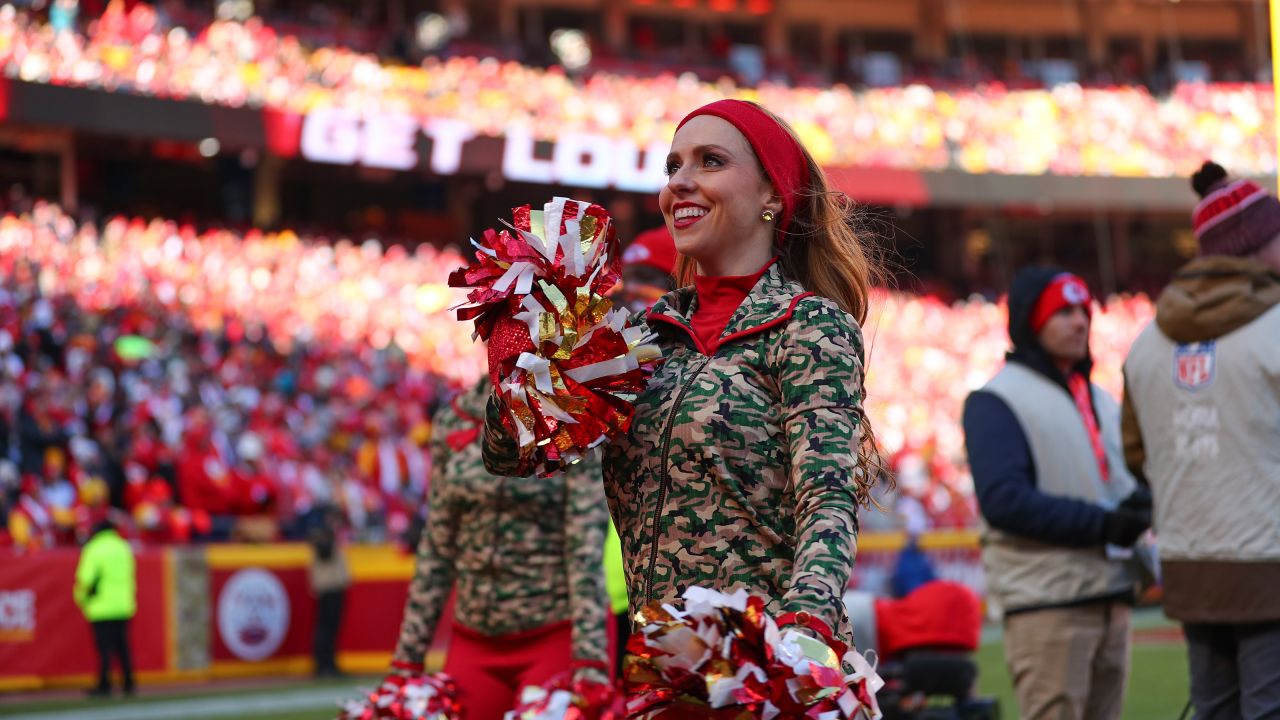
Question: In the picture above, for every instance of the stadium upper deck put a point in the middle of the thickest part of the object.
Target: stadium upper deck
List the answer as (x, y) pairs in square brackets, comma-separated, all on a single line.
[(276, 122), (986, 128), (1128, 41)]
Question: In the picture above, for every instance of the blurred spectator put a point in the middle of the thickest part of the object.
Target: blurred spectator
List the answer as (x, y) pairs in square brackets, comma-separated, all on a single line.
[(647, 267), (107, 593), (912, 568), (62, 15), (329, 581), (1044, 444), (1202, 398)]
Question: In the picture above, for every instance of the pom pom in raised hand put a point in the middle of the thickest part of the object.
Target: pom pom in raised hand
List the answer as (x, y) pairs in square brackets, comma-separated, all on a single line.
[(566, 364), (724, 656)]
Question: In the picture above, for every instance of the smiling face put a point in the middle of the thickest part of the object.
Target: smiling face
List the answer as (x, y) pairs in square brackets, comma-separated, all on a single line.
[(714, 196)]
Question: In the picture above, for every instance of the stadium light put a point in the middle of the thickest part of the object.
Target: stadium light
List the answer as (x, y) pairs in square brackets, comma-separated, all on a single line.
[(238, 10), (433, 31), (571, 47)]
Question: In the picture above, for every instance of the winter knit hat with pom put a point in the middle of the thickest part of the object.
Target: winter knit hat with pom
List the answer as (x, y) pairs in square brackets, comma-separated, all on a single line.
[(1235, 217)]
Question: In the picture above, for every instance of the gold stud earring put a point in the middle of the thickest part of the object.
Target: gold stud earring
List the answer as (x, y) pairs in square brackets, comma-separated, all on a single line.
[(767, 216)]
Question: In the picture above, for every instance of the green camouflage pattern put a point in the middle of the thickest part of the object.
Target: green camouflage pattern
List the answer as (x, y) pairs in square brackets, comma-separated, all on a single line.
[(742, 470), (524, 552)]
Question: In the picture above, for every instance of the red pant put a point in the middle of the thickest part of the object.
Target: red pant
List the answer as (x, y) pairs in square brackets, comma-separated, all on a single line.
[(490, 670)]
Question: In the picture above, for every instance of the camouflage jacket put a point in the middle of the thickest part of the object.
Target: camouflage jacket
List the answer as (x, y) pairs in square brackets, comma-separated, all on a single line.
[(524, 552), (741, 468)]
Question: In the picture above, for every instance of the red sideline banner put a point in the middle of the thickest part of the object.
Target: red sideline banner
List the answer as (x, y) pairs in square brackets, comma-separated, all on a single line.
[(45, 639), (374, 607), (261, 612), (264, 612)]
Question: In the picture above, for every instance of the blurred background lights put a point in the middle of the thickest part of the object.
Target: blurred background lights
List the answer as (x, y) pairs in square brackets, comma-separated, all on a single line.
[(433, 31), (571, 48)]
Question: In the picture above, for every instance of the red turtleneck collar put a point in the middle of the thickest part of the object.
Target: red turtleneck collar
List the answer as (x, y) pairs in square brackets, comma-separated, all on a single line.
[(718, 299)]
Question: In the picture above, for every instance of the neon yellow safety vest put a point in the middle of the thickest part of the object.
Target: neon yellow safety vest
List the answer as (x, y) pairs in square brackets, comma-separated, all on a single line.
[(615, 582), (106, 588)]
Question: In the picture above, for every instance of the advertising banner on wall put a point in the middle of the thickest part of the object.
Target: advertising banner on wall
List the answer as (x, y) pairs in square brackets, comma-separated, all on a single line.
[(262, 609), (448, 146)]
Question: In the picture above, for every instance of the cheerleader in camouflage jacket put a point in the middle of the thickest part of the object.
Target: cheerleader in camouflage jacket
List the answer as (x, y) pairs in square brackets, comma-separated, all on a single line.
[(749, 453), (525, 555)]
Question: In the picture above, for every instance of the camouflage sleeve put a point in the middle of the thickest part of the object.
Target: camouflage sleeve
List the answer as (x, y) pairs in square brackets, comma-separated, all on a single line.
[(586, 519), (820, 377), (501, 452), (433, 574)]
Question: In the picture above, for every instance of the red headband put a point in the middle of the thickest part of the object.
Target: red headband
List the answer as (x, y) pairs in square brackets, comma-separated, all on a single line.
[(778, 152), (1066, 290)]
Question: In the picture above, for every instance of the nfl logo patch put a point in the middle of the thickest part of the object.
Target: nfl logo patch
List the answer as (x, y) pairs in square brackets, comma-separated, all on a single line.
[(1193, 365)]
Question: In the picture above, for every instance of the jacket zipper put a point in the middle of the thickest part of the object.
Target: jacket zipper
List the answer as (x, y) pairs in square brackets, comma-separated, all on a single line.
[(666, 478)]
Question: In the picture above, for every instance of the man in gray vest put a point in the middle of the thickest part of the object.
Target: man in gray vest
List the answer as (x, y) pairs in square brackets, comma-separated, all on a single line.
[(1060, 507), (1202, 427)]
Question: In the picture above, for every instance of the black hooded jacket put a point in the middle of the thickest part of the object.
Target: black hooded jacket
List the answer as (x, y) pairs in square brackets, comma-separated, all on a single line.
[(1004, 474)]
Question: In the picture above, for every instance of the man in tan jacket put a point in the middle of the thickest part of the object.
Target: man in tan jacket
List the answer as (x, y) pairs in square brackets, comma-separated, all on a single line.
[(1201, 425)]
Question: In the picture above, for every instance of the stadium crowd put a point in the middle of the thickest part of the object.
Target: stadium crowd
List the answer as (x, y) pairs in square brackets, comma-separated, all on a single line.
[(212, 385), (990, 128)]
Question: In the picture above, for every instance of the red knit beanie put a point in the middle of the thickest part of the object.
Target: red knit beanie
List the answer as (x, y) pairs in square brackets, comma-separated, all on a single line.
[(1066, 290), (777, 150), (1235, 217)]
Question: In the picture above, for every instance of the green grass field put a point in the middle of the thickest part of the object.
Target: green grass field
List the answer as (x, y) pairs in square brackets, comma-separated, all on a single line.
[(1158, 683), (1157, 689)]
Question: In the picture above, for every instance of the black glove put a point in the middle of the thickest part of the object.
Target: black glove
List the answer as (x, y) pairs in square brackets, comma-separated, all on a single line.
[(1139, 500), (1123, 526)]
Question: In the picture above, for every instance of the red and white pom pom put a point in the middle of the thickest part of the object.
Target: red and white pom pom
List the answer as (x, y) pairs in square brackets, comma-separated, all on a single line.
[(569, 697), (407, 696), (565, 362), (724, 656)]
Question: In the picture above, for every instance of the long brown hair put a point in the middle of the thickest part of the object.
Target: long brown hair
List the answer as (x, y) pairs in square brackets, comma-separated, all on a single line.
[(822, 249), (824, 252)]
